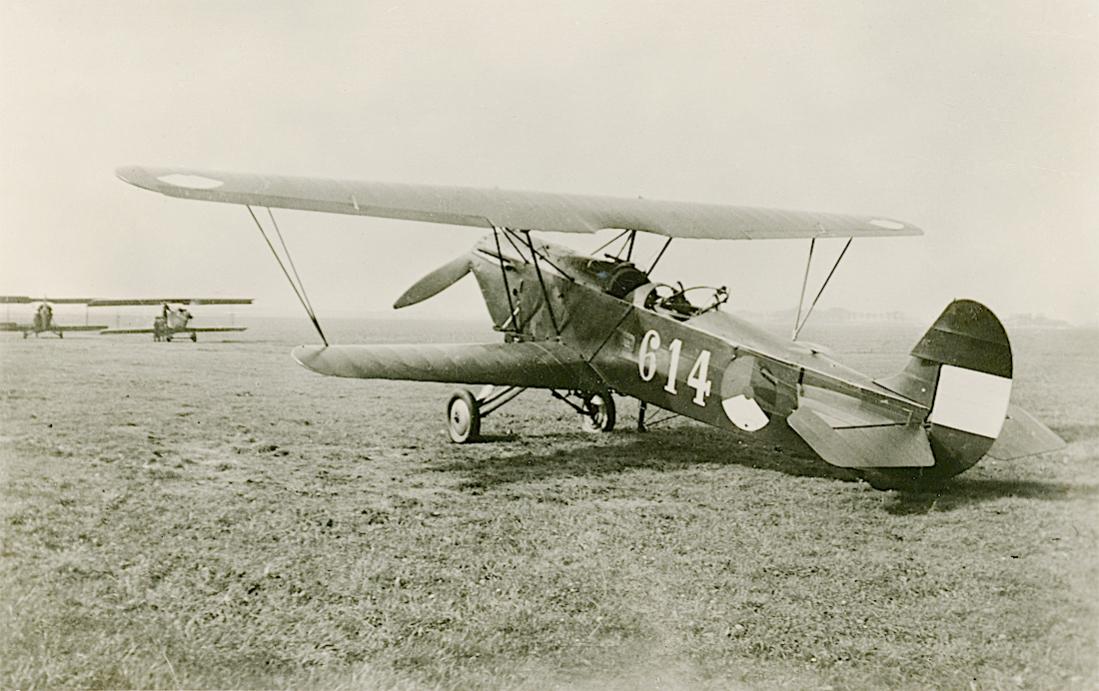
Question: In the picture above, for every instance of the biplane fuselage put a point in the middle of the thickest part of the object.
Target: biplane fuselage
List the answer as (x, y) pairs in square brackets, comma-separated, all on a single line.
[(709, 366)]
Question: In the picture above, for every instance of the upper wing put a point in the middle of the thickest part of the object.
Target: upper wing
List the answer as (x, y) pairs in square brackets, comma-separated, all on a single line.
[(126, 302), (210, 329), (487, 208), (24, 300), (546, 365)]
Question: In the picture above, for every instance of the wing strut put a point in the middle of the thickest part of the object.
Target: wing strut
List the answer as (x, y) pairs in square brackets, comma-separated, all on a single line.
[(504, 273), (299, 287), (545, 291), (799, 324)]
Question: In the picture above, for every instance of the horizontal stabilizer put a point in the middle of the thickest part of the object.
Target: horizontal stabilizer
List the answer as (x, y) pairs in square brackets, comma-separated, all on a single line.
[(546, 365), (845, 434), (488, 208), (1022, 435)]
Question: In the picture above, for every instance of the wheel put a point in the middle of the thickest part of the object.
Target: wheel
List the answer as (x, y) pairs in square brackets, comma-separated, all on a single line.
[(463, 417), (601, 413), (194, 337)]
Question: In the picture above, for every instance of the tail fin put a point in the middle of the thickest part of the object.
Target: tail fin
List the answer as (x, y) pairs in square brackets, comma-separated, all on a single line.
[(961, 369)]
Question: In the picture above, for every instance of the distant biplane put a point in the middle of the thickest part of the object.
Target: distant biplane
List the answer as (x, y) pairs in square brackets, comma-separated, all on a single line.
[(43, 316), (171, 320), (589, 327)]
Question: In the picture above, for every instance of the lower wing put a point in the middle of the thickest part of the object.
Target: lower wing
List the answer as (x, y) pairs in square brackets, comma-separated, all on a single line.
[(118, 332), (544, 365), (12, 326)]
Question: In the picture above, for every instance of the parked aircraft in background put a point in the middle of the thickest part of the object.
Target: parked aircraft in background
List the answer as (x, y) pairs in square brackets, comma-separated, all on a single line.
[(171, 320), (43, 316), (589, 327)]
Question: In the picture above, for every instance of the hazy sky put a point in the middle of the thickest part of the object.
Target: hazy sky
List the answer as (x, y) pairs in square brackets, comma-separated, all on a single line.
[(978, 122)]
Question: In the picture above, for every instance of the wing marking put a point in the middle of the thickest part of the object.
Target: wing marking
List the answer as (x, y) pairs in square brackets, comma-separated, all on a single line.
[(486, 208)]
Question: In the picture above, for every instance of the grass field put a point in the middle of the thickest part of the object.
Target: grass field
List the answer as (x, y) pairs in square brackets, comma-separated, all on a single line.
[(212, 515)]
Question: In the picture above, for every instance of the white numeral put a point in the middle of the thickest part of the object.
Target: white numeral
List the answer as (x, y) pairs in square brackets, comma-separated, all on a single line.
[(646, 358), (646, 366), (673, 365), (697, 378)]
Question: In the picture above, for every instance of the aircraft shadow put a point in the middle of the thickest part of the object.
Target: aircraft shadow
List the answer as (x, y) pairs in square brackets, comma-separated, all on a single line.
[(663, 450), (964, 491), (676, 449)]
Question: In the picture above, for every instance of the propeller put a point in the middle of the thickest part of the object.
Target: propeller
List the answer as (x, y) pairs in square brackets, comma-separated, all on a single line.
[(435, 282)]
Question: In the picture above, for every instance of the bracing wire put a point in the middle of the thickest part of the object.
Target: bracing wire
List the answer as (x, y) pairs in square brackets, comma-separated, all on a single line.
[(290, 258), (299, 293), (608, 243)]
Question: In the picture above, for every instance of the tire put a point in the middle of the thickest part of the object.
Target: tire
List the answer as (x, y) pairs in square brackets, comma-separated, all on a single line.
[(463, 417), (601, 416)]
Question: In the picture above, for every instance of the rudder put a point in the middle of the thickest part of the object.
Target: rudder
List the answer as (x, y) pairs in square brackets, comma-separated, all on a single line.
[(961, 369)]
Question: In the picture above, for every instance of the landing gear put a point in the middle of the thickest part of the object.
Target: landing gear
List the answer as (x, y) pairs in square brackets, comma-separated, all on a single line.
[(465, 411), (599, 413), (463, 417), (194, 337)]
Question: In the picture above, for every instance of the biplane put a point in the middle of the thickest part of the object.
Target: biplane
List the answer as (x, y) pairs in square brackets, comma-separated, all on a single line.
[(42, 321), (174, 317), (588, 328)]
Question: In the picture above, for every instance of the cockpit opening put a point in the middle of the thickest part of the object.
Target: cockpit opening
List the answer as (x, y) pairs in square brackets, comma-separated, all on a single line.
[(674, 300)]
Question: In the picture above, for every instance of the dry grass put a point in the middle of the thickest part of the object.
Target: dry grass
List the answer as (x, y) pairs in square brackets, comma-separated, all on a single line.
[(213, 516)]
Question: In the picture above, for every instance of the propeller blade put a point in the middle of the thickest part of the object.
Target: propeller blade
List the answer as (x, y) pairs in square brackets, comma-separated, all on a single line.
[(435, 282)]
